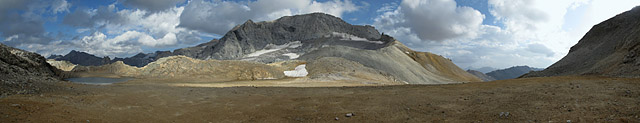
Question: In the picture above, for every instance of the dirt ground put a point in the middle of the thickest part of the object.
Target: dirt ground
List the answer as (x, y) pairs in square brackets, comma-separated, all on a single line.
[(553, 99)]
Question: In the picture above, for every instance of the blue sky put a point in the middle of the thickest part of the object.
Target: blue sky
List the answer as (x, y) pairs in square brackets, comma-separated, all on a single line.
[(473, 33)]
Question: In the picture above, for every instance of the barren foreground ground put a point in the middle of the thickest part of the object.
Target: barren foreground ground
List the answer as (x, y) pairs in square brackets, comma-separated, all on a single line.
[(556, 99)]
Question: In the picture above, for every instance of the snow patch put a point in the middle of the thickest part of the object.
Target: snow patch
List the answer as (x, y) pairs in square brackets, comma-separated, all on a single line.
[(299, 71), (272, 48), (294, 44), (349, 37), (292, 55), (260, 52)]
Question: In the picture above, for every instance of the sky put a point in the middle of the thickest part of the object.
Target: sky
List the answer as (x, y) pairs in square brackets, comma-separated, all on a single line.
[(472, 33)]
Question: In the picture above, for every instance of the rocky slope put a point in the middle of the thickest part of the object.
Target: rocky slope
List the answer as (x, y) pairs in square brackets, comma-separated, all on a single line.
[(196, 51), (481, 75), (512, 72), (23, 72), (62, 65), (336, 68), (610, 48), (181, 66), (184, 68)]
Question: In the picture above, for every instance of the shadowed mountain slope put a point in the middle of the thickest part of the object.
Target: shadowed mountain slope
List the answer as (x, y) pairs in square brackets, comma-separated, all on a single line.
[(610, 48), (23, 72), (512, 72)]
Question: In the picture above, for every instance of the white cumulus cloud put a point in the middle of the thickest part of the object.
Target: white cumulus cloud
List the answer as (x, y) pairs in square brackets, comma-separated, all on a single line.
[(126, 32), (431, 20), (528, 32), (219, 16)]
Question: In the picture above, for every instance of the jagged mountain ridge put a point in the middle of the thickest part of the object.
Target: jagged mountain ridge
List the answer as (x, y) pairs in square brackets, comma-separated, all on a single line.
[(610, 48), (138, 60), (82, 58)]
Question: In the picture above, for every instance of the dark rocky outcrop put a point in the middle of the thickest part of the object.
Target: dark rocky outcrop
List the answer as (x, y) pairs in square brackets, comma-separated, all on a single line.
[(23, 72), (512, 72), (481, 75), (82, 58), (610, 48)]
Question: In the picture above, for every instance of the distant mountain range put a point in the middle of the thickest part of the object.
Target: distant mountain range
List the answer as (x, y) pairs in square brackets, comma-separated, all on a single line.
[(138, 60), (502, 74), (482, 69), (512, 72)]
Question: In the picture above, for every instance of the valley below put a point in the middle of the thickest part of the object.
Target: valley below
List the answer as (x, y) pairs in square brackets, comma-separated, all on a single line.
[(541, 99)]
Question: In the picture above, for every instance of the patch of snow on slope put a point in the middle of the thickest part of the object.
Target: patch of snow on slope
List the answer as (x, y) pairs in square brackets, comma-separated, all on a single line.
[(299, 71), (294, 44), (272, 48), (349, 37), (260, 52), (292, 55)]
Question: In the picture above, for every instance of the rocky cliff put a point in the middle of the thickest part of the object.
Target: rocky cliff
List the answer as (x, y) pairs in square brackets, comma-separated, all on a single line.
[(610, 48), (23, 72)]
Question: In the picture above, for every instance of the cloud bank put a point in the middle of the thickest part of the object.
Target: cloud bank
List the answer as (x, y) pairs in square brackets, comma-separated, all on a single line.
[(127, 27), (431, 20), (527, 32)]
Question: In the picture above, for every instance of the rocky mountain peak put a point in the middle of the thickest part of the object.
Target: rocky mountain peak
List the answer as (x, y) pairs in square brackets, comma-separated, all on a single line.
[(83, 58), (251, 36)]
